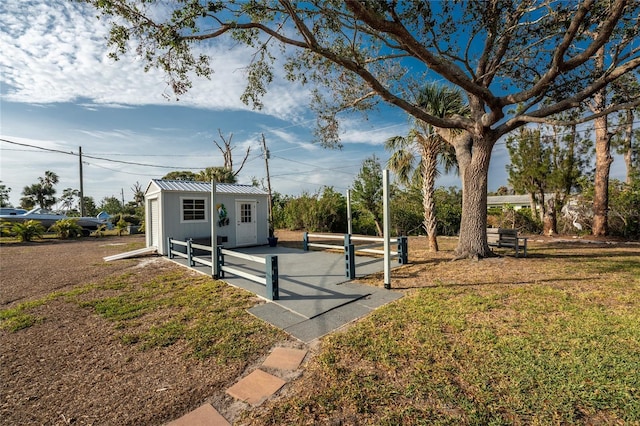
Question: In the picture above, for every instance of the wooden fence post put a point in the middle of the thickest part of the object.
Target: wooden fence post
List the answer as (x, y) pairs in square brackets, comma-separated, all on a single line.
[(403, 250), (219, 262), (349, 257), (272, 277), (190, 253)]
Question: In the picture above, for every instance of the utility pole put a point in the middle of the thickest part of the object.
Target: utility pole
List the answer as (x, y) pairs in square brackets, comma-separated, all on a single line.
[(266, 163), (81, 185)]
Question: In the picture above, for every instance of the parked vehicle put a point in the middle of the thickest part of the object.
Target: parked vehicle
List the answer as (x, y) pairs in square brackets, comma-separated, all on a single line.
[(48, 218), (11, 211)]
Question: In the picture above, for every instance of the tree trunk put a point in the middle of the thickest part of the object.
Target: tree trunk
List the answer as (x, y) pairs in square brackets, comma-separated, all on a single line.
[(550, 222), (543, 205), (433, 242), (378, 227), (473, 161), (603, 161), (601, 183), (628, 143), (532, 205), (429, 170)]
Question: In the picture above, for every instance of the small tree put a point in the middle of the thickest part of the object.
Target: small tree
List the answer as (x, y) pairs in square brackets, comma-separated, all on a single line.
[(90, 207), (27, 231), (67, 228), (407, 210), (121, 225), (367, 190), (448, 210), (111, 205), (624, 206), (332, 211), (4, 195), (527, 176)]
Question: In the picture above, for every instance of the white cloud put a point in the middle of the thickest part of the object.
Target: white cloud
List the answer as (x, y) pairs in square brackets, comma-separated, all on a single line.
[(357, 131), (291, 138), (56, 52)]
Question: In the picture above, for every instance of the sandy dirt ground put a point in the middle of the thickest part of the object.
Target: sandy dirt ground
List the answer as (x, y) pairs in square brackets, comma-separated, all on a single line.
[(70, 369)]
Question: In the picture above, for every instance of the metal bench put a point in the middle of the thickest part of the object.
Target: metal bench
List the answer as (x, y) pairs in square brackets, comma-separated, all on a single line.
[(502, 237)]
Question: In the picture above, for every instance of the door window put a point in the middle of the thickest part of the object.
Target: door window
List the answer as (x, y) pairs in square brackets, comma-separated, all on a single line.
[(245, 213)]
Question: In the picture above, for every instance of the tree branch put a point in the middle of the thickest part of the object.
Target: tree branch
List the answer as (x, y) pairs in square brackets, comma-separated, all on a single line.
[(613, 108), (445, 68)]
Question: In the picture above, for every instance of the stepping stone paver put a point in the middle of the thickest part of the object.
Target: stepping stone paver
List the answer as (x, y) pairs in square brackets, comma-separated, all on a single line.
[(206, 415), (285, 359), (256, 387)]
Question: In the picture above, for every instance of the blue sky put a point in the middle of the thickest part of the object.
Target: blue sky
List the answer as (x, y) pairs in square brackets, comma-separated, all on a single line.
[(60, 91)]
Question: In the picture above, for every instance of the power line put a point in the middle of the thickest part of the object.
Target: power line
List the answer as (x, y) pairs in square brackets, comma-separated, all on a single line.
[(316, 168), (131, 163), (118, 171)]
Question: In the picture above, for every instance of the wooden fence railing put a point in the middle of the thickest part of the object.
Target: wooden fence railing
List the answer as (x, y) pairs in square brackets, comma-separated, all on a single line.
[(269, 280), (401, 253)]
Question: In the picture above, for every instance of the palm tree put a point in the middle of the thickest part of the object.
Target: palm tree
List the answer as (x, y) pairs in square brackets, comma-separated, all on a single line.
[(41, 193), (425, 145), (38, 194), (49, 179)]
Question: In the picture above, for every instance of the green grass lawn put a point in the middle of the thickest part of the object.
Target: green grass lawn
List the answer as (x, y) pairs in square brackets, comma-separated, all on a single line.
[(208, 315), (563, 351)]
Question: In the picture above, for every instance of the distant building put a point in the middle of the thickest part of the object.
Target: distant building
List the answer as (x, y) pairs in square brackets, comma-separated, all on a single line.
[(516, 201)]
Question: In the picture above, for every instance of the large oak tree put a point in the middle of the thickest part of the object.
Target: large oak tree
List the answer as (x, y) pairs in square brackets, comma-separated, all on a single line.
[(537, 55)]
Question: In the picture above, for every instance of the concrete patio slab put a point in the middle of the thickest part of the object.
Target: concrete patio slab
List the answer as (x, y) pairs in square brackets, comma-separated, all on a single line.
[(206, 415), (256, 387), (315, 294), (287, 359)]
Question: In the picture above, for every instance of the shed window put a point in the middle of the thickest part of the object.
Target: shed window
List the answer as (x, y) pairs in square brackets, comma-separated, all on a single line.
[(193, 209)]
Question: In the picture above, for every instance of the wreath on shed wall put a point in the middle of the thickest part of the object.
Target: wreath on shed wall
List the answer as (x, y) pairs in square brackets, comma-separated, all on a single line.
[(223, 219)]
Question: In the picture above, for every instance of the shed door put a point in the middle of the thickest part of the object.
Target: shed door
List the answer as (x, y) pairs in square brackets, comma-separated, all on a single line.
[(154, 222), (246, 223)]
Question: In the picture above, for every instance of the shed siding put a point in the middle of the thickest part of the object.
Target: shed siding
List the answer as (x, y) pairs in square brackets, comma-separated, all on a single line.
[(174, 226), (170, 195)]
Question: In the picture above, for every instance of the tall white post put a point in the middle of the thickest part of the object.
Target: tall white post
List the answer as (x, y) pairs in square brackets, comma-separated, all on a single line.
[(214, 237), (387, 228), (349, 223)]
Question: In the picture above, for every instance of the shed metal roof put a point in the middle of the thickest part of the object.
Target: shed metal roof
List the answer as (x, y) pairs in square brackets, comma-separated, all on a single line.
[(193, 186)]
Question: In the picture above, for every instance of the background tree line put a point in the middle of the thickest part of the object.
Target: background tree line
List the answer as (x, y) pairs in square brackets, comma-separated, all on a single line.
[(517, 63)]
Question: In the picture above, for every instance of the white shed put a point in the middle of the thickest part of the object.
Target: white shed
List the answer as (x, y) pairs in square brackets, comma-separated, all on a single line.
[(182, 209)]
